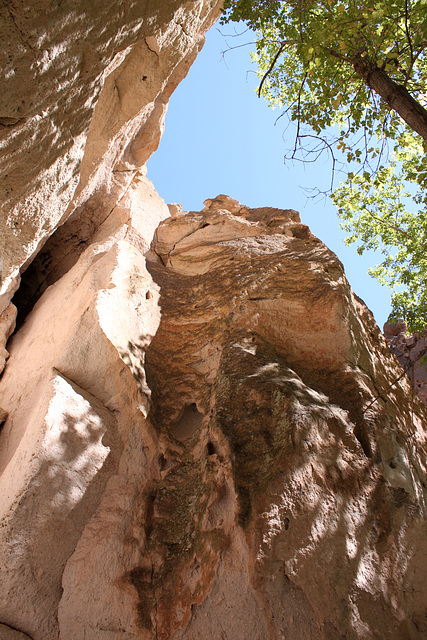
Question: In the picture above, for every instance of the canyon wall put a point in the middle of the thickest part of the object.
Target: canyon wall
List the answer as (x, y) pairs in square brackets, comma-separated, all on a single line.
[(202, 435), (85, 87)]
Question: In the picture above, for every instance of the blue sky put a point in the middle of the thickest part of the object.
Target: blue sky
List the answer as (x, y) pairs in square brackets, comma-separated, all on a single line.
[(221, 138)]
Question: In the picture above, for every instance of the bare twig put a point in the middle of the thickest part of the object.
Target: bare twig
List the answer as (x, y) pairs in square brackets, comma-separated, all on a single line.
[(420, 355), (331, 151)]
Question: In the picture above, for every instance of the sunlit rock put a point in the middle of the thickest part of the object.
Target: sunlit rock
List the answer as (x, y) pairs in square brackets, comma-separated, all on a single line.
[(287, 367), (203, 433), (7, 327), (411, 352), (85, 88), (209, 433)]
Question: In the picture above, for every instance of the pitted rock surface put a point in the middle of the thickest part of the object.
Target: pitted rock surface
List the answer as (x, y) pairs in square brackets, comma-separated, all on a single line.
[(201, 432), (85, 88), (202, 446)]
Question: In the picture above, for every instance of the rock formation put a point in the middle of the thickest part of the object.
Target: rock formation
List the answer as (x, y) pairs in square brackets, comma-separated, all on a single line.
[(85, 87), (219, 461), (202, 436)]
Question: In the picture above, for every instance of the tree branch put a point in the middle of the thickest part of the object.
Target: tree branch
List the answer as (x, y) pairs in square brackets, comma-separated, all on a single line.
[(420, 355), (271, 67), (396, 96), (394, 227)]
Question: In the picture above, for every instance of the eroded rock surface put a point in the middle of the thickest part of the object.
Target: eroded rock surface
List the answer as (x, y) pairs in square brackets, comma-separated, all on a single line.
[(199, 435), (7, 327), (262, 333), (74, 443), (199, 446), (6, 633), (85, 87)]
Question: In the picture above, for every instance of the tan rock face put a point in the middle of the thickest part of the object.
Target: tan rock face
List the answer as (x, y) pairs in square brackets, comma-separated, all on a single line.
[(6, 633), (269, 345), (78, 362), (199, 435), (7, 327), (85, 88), (189, 451)]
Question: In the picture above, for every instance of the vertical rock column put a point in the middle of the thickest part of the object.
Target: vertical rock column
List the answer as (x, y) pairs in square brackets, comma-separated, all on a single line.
[(77, 452)]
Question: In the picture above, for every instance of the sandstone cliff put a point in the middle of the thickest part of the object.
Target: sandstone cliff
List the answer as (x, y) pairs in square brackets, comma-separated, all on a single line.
[(209, 463), (85, 87), (202, 436)]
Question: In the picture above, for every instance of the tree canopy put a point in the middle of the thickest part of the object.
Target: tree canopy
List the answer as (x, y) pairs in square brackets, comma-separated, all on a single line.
[(352, 75)]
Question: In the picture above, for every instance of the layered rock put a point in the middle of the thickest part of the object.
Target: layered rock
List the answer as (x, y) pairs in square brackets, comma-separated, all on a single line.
[(291, 381), (84, 91), (200, 436), (225, 460)]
